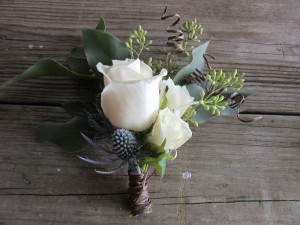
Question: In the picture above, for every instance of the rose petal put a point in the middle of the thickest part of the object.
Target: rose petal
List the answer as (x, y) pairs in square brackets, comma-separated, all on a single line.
[(146, 70), (135, 66), (170, 127), (132, 105), (178, 97), (122, 62)]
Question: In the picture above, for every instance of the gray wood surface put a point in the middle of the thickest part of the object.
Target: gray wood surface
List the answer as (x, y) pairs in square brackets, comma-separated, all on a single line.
[(242, 174)]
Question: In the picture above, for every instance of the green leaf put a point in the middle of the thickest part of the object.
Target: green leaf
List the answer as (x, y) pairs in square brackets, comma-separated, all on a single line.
[(169, 157), (78, 108), (196, 63), (78, 62), (77, 58), (46, 67), (102, 47), (160, 165), (164, 103), (101, 25), (203, 115), (66, 135), (195, 91), (228, 111)]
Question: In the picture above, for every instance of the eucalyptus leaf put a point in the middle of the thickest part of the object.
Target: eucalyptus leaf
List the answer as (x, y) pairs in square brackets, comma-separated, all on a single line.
[(102, 47), (101, 25), (194, 91), (228, 111), (196, 63), (46, 67), (245, 92), (78, 62), (203, 115), (66, 135)]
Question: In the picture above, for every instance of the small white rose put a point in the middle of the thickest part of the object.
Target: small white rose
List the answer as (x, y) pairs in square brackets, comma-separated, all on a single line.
[(178, 97), (130, 99), (170, 127)]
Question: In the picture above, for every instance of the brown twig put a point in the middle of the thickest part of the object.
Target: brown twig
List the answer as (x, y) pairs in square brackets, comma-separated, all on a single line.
[(174, 40), (236, 100)]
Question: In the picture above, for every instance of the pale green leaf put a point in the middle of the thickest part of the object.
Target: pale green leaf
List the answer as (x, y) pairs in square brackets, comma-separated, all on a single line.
[(196, 63)]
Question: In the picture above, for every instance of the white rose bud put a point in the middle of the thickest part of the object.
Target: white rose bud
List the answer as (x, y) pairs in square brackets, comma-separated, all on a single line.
[(178, 97), (170, 127), (130, 99)]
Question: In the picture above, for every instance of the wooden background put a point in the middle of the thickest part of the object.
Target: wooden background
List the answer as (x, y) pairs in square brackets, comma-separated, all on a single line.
[(242, 174)]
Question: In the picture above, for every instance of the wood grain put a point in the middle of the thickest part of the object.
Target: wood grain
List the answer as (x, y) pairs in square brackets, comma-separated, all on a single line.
[(246, 174), (241, 174), (260, 38)]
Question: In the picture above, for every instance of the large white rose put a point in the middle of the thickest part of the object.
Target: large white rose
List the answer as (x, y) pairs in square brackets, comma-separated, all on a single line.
[(178, 97), (170, 127), (130, 99)]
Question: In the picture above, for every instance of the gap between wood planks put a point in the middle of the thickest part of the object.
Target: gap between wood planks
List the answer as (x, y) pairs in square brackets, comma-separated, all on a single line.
[(60, 105), (175, 203)]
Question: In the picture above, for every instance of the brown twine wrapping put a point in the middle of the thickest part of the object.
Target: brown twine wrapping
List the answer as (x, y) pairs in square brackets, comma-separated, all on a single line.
[(139, 199)]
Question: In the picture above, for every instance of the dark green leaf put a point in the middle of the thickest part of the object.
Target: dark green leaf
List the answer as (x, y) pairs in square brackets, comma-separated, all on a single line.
[(101, 25), (46, 67), (66, 135), (78, 62), (78, 108), (102, 47), (196, 63)]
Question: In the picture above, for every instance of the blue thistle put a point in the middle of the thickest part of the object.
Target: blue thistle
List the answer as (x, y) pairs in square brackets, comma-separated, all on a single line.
[(124, 144)]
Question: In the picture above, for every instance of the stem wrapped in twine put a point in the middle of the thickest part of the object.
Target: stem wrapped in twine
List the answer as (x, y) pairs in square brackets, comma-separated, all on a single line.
[(139, 199)]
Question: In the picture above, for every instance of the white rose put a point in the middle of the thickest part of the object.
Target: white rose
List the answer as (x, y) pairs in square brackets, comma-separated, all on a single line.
[(130, 99), (170, 127), (178, 97)]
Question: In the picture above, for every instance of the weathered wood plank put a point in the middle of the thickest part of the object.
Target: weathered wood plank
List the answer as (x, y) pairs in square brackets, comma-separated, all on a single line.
[(259, 37), (58, 210), (241, 174)]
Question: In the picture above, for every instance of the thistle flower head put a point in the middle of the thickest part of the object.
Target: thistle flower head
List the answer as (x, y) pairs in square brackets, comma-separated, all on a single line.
[(124, 144)]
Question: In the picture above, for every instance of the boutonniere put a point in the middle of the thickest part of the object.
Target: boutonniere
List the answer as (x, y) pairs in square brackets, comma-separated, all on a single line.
[(145, 107)]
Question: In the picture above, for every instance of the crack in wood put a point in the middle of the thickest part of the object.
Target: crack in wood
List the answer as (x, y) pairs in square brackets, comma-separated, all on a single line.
[(232, 202)]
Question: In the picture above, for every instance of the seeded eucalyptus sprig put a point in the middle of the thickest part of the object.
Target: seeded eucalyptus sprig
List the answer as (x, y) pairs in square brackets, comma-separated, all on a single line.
[(193, 30), (137, 42), (220, 80), (216, 83), (189, 113), (213, 103)]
